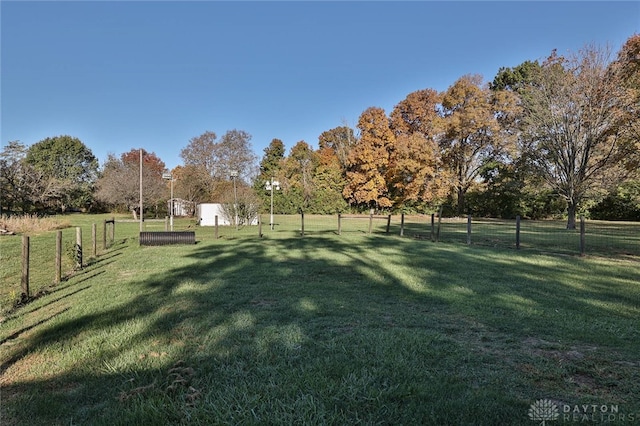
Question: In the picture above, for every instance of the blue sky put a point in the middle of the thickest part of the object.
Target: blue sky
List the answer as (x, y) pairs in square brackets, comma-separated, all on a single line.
[(121, 75)]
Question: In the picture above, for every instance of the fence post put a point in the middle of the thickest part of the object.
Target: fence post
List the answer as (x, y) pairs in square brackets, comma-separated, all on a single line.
[(259, 225), (582, 236), (439, 222), (104, 234), (468, 229), (518, 232), (94, 238), (401, 224), (433, 226), (339, 224), (301, 223), (216, 227), (113, 229), (370, 220), (78, 248), (25, 267), (58, 278)]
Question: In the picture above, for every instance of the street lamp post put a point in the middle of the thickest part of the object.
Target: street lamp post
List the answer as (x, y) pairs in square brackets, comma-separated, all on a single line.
[(169, 176), (270, 185), (234, 175)]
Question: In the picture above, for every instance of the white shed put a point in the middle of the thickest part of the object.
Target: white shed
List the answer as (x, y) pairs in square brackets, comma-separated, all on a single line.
[(207, 213)]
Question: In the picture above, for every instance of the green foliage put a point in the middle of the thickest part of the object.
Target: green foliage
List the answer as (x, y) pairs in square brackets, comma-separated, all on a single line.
[(289, 201), (327, 196), (299, 170), (65, 158), (516, 78), (69, 170), (509, 191), (270, 167), (273, 155), (73, 254), (623, 204)]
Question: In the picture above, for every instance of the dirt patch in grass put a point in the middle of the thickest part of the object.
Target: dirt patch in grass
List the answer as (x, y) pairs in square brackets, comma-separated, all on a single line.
[(177, 381), (588, 371), (263, 303)]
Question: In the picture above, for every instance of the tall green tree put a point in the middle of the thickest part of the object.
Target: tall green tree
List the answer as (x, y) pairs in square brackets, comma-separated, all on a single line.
[(515, 79), (329, 180), (273, 156), (510, 186), (299, 172), (270, 168), (70, 167)]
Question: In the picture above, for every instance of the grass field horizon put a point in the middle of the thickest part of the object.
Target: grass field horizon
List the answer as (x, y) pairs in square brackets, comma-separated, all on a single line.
[(352, 329)]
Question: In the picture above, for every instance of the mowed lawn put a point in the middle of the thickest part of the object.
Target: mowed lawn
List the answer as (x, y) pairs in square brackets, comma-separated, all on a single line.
[(326, 329)]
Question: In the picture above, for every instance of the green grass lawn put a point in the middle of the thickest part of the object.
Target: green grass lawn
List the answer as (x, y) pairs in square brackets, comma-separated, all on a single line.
[(352, 329)]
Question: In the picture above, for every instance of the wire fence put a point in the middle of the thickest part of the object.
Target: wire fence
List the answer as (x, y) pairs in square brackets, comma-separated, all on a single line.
[(598, 238), (591, 237)]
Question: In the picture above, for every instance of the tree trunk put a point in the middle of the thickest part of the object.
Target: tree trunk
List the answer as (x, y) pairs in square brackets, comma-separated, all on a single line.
[(135, 214), (571, 212), (461, 206)]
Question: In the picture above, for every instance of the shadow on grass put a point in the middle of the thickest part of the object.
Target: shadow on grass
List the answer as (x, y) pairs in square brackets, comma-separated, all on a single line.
[(53, 301), (17, 333), (385, 330)]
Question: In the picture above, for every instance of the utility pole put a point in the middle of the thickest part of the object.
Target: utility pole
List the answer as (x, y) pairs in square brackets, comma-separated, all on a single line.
[(141, 220), (234, 175), (169, 177)]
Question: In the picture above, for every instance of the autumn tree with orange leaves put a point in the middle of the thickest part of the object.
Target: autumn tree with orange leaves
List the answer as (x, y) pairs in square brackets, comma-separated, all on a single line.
[(338, 140), (471, 134), (626, 69), (368, 162), (417, 175)]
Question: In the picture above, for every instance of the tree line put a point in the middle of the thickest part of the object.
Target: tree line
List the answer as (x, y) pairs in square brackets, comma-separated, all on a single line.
[(546, 137)]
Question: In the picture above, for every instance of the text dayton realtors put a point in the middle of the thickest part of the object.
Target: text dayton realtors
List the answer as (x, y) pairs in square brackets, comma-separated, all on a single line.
[(595, 413)]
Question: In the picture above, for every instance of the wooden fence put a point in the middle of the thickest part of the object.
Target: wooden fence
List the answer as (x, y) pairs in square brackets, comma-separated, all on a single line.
[(108, 233)]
